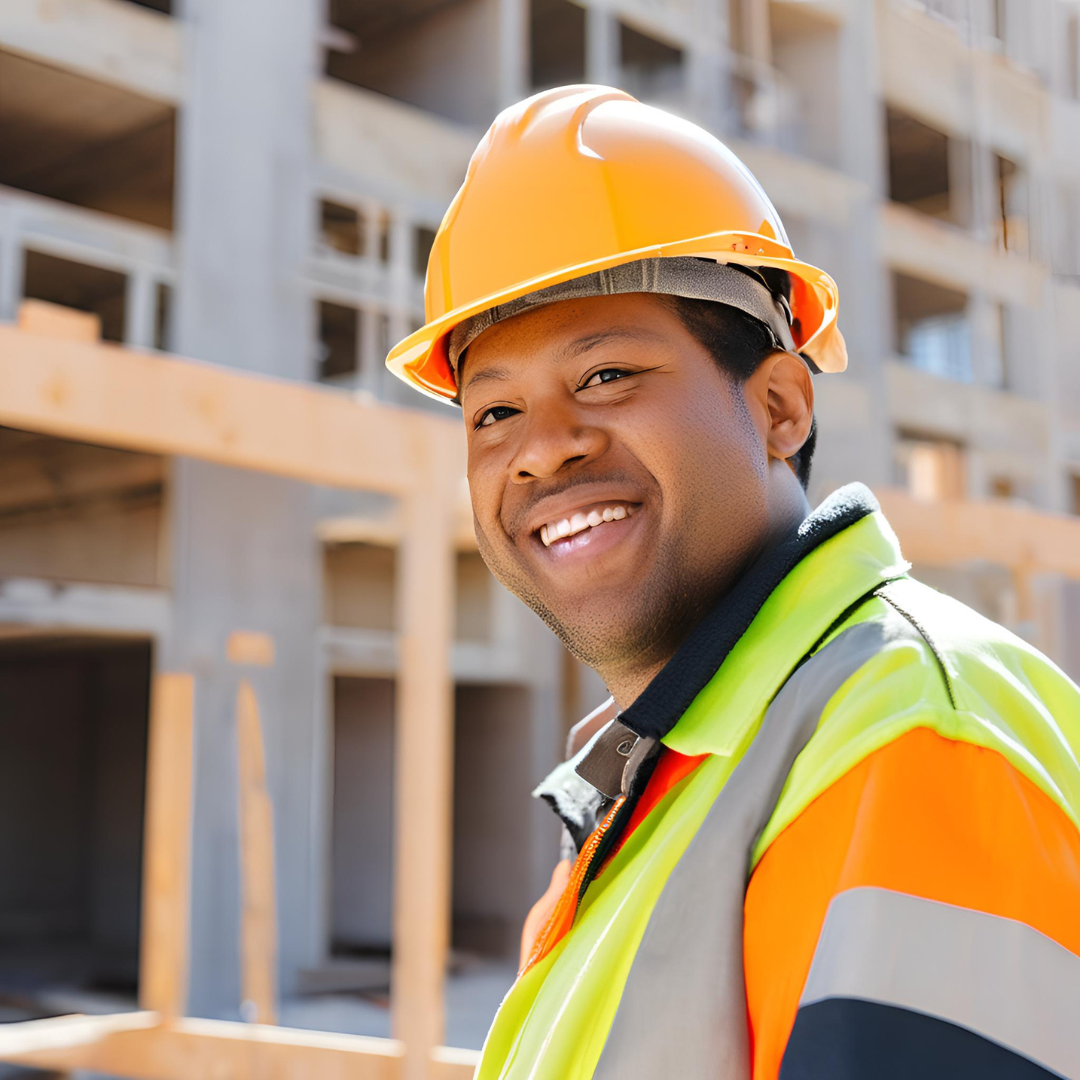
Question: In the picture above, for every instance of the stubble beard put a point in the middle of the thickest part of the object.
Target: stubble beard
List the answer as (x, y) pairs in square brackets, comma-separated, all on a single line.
[(644, 630)]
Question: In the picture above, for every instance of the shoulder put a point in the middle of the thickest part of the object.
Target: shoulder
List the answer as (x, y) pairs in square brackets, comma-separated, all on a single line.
[(913, 659)]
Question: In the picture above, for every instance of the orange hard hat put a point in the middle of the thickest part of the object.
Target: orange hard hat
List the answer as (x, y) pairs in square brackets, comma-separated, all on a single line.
[(583, 178)]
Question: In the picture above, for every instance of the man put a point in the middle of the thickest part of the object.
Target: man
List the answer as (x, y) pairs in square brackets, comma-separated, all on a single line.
[(829, 826)]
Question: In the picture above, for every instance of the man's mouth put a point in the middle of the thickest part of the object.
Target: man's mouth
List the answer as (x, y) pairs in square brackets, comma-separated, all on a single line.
[(587, 518)]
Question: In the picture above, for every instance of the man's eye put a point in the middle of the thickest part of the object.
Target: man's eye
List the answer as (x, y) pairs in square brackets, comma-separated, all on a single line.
[(606, 375), (496, 412)]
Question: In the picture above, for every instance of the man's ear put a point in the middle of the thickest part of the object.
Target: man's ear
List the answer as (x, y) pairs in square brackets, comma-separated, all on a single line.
[(784, 383)]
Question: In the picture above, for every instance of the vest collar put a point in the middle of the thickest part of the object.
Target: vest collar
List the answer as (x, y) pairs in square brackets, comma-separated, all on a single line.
[(657, 710), (710, 696)]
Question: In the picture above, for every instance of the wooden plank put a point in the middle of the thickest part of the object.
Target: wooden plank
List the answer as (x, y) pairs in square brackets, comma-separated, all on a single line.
[(258, 917), (163, 955), (139, 1046), (64, 1033), (251, 648), (960, 532), (54, 320), (450, 1063), (191, 1049), (116, 396), (423, 775)]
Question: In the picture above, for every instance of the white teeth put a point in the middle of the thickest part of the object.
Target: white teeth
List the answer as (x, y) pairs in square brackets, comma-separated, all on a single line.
[(559, 530)]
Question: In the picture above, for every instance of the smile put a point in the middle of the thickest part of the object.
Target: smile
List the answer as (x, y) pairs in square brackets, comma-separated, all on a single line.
[(601, 514)]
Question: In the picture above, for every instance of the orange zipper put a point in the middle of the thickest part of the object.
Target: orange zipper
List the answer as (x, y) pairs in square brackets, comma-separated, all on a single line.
[(562, 915)]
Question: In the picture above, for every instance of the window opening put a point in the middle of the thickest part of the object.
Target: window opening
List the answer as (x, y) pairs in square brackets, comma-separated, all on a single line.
[(931, 469), (932, 327), (1011, 210), (339, 228), (72, 138), (920, 163), (423, 239), (651, 69), (339, 334), (163, 317), (78, 285)]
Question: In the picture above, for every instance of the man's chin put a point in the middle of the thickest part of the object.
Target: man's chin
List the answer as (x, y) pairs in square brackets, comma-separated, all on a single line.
[(606, 631)]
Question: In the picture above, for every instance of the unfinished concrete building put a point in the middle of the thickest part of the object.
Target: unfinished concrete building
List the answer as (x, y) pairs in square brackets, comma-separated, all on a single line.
[(256, 185)]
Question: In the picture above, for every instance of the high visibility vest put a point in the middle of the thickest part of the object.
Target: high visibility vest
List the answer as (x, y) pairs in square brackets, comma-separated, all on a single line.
[(865, 862)]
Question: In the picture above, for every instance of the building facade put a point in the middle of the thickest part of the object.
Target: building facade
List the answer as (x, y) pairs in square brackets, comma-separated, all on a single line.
[(255, 184)]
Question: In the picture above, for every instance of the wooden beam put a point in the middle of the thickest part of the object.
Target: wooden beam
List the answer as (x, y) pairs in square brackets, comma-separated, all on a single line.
[(137, 1046), (963, 531), (251, 648), (258, 917), (67, 1033), (163, 953), (55, 320), (115, 396), (386, 531), (423, 775)]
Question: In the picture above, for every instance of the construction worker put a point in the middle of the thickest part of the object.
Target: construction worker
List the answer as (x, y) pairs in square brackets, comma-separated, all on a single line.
[(828, 826)]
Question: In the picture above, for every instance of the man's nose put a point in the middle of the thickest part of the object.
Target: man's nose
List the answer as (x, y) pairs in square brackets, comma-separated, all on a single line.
[(556, 437)]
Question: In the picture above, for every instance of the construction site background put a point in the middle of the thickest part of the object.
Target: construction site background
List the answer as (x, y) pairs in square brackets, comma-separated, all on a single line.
[(267, 725)]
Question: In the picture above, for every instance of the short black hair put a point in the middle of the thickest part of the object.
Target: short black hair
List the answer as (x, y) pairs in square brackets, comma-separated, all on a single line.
[(739, 344)]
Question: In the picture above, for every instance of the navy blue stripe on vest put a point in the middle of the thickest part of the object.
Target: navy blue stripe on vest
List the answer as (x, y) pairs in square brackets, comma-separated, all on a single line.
[(851, 1039)]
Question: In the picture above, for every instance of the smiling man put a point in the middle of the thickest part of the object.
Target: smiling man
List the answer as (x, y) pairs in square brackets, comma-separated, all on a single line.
[(827, 827)]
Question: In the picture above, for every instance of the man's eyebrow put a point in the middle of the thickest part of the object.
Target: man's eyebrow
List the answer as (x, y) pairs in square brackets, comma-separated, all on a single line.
[(602, 337), (486, 373), (574, 348)]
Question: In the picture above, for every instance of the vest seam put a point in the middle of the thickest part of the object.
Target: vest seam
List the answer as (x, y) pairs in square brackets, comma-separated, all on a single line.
[(886, 594)]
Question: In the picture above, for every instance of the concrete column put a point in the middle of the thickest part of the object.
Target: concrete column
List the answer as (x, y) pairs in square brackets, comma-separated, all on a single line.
[(513, 51), (601, 46), (705, 90), (139, 310), (401, 273), (757, 37), (368, 361), (243, 554), (987, 346), (11, 267), (864, 283)]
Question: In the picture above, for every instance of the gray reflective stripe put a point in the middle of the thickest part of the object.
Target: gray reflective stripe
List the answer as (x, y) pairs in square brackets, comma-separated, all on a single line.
[(995, 976), (683, 1009)]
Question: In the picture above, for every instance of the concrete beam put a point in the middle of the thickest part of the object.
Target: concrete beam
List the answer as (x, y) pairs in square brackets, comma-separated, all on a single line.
[(925, 247), (110, 40)]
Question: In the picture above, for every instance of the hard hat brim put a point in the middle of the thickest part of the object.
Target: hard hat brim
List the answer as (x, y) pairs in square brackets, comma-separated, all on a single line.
[(422, 360)]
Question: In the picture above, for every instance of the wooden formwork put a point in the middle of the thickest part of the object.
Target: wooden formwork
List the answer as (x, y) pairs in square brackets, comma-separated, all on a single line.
[(56, 378)]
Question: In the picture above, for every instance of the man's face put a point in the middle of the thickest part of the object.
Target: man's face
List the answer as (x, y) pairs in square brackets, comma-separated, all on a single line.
[(618, 476)]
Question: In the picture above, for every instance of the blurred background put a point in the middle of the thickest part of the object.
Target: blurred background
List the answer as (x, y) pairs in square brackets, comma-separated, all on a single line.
[(255, 184)]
